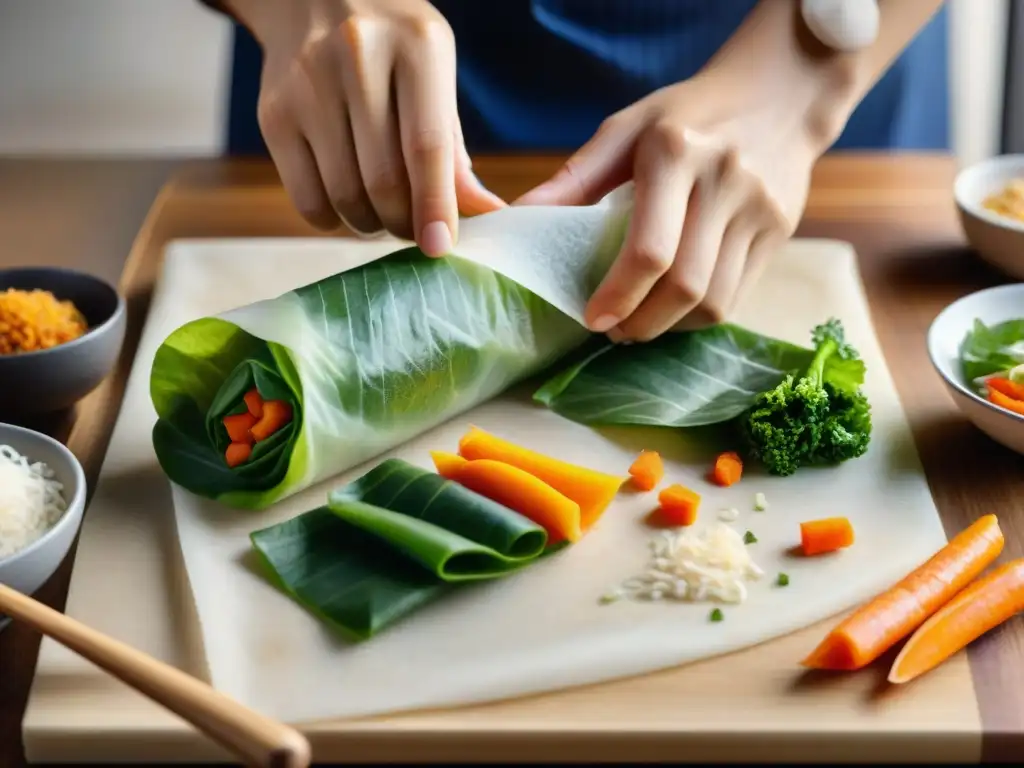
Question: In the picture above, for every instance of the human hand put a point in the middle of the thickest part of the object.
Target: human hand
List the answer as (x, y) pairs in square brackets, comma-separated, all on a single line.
[(720, 178), (358, 110)]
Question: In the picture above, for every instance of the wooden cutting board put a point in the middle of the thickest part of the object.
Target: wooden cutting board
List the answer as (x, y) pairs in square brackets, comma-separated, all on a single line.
[(129, 581)]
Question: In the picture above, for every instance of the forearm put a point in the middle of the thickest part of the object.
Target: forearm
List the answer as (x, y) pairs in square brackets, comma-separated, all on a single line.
[(773, 57)]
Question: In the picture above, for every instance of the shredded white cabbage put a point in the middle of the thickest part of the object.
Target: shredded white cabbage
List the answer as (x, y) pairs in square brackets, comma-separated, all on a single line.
[(31, 501), (712, 565)]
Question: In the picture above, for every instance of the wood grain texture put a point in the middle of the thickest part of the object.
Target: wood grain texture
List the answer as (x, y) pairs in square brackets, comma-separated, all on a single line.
[(251, 737), (896, 211)]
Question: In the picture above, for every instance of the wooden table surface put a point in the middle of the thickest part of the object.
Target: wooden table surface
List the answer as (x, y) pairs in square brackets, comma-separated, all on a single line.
[(897, 211)]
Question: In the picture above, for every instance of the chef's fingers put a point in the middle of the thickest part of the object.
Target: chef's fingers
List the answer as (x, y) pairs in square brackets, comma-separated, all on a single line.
[(772, 231), (722, 189), (764, 246), (367, 68), (686, 282), (473, 197), (425, 85), (728, 275), (598, 167), (663, 179), (295, 163), (324, 119)]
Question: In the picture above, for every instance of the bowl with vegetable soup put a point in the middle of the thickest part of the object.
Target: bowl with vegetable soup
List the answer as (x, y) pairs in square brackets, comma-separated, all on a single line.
[(42, 497), (977, 346)]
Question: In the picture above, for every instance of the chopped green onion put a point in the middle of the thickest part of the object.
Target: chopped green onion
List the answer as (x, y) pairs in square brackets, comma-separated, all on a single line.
[(716, 615), (782, 580), (749, 538), (760, 502)]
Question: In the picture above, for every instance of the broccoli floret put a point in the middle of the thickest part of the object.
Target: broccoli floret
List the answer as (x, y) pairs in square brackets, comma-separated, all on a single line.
[(847, 429), (819, 418), (832, 331)]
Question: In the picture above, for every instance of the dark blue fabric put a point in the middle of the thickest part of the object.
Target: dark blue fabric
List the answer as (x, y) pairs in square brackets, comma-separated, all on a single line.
[(543, 74)]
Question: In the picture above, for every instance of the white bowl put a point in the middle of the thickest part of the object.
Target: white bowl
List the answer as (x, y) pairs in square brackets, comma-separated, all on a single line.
[(997, 239), (28, 569), (947, 332)]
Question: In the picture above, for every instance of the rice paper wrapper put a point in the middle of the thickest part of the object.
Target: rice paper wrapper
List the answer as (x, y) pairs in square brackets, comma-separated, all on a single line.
[(372, 356), (543, 628)]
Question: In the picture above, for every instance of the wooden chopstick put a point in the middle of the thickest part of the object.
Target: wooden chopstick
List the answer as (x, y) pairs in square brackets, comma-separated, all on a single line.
[(253, 738)]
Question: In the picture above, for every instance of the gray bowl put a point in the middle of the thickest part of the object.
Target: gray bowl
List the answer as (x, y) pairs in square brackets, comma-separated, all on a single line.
[(54, 379), (29, 568)]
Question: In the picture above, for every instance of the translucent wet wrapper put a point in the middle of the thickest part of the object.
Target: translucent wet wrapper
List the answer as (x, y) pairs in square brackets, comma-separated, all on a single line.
[(371, 357)]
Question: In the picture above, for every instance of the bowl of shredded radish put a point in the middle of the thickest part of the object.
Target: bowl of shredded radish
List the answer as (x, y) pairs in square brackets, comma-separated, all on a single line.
[(42, 497)]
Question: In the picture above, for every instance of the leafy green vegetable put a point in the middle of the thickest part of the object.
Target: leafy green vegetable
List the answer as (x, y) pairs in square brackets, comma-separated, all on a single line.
[(816, 419), (367, 359), (792, 406), (749, 538), (390, 542), (677, 380), (992, 349), (192, 439)]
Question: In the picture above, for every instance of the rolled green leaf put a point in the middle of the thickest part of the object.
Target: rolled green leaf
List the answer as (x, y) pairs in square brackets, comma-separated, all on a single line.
[(691, 379), (367, 359), (390, 542)]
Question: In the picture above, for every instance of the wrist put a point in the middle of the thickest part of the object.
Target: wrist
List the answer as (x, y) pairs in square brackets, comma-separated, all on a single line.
[(778, 68)]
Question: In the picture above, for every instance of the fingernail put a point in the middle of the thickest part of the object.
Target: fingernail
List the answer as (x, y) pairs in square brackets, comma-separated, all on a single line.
[(618, 337), (436, 239), (604, 323)]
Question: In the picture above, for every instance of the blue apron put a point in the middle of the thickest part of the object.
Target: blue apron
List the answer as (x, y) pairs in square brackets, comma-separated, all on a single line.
[(543, 74)]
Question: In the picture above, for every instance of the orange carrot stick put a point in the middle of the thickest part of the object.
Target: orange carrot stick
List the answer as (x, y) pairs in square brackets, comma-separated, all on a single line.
[(520, 491), (728, 469), (237, 453), (997, 397), (447, 464), (1006, 387), (984, 604), (276, 414), (254, 402), (238, 426), (879, 624), (647, 471), (592, 490), (679, 505), (826, 535)]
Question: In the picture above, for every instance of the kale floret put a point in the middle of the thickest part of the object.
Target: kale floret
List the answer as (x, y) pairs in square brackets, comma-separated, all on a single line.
[(817, 418)]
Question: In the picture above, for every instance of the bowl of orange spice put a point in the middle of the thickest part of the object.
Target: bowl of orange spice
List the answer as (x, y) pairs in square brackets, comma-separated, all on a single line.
[(60, 334)]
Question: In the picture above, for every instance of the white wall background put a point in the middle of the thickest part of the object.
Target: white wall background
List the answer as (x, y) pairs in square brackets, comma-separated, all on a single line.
[(112, 77), (151, 76), (977, 74)]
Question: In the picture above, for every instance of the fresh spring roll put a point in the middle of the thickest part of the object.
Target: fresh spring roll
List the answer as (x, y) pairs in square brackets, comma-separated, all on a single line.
[(360, 362)]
